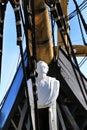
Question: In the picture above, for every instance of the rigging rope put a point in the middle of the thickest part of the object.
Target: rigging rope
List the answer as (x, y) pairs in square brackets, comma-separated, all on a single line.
[(60, 21), (26, 25), (81, 16), (81, 7), (33, 66), (83, 38), (16, 6), (82, 61), (2, 16), (19, 42)]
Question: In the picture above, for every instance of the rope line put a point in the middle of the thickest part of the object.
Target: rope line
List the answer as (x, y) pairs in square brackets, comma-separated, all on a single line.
[(60, 21)]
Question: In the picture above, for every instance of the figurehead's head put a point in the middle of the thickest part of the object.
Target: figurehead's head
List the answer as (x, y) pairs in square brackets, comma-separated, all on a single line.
[(42, 67)]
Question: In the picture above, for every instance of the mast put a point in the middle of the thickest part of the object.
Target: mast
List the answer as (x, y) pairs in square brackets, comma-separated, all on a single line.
[(64, 5), (44, 50)]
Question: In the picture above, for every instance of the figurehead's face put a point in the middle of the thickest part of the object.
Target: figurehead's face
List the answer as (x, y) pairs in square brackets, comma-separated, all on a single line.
[(42, 67)]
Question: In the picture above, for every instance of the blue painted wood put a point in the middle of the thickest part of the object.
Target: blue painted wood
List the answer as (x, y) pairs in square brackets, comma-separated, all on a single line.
[(12, 94)]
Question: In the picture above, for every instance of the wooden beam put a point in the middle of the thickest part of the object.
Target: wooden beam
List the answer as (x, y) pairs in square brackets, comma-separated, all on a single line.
[(80, 50)]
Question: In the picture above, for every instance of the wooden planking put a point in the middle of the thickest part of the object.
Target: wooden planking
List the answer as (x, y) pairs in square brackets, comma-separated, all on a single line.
[(70, 78)]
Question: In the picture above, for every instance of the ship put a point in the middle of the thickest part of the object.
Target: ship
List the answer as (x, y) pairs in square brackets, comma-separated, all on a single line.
[(38, 18)]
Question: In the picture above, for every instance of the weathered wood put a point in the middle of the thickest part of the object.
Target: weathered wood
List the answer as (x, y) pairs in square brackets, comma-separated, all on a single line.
[(70, 78)]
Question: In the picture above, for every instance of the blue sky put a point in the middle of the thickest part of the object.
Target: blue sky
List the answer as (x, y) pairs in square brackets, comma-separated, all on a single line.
[(75, 32), (11, 50)]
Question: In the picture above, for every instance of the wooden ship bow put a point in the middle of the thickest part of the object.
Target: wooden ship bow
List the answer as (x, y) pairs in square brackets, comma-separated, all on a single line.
[(61, 58)]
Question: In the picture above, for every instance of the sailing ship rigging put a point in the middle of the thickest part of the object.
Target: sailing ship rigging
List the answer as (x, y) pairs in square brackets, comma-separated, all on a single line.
[(61, 58)]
